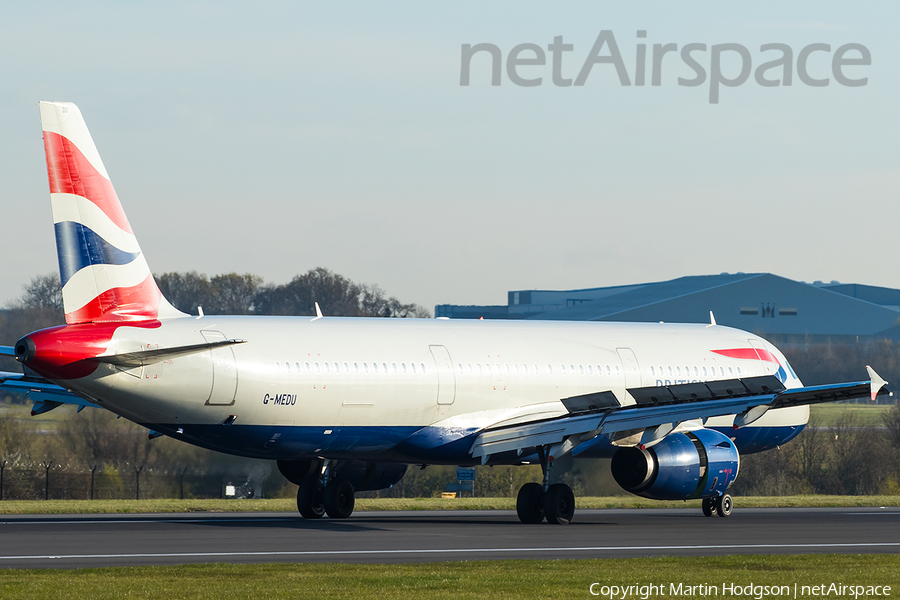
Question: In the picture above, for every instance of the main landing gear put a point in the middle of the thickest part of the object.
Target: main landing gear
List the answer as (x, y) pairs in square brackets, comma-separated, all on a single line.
[(537, 502), (321, 495), (720, 505)]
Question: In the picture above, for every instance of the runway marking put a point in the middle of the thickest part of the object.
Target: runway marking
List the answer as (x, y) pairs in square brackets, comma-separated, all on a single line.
[(144, 521), (452, 551)]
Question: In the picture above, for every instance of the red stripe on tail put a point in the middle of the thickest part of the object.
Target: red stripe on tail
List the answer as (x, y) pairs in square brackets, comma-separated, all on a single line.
[(136, 303), (71, 173)]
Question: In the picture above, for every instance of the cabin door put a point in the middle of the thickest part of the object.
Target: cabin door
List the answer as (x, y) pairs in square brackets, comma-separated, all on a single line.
[(224, 383), (446, 377)]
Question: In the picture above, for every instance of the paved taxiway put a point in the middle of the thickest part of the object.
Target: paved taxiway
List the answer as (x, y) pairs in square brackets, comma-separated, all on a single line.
[(67, 541)]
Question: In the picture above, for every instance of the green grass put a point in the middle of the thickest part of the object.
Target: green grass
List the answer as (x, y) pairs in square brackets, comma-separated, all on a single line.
[(15, 507), (438, 581), (864, 415)]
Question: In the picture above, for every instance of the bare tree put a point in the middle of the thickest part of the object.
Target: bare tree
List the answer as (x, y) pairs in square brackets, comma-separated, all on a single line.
[(43, 292), (235, 293)]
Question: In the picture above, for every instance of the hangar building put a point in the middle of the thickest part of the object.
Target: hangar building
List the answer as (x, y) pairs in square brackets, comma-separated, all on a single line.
[(781, 309)]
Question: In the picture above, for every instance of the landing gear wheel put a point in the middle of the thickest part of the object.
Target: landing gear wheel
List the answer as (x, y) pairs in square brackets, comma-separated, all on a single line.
[(339, 499), (559, 504), (310, 499), (530, 503), (724, 505), (709, 506)]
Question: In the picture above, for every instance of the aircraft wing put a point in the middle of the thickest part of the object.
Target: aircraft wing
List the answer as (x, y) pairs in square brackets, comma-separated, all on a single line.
[(658, 410), (46, 395)]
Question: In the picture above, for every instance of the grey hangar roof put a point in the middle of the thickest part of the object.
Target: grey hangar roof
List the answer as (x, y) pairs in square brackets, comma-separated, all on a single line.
[(779, 308)]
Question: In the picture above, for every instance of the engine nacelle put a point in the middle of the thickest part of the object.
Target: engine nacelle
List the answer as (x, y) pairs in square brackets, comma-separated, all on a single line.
[(365, 476), (693, 464)]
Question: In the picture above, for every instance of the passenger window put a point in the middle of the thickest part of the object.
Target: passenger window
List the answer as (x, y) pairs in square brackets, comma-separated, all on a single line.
[(478, 368), (422, 366), (678, 371), (515, 368), (617, 370), (670, 370), (287, 368), (721, 371), (317, 368), (562, 369), (590, 369), (356, 367), (550, 369), (365, 367), (608, 372), (459, 368), (730, 372), (704, 371), (326, 368), (469, 368), (413, 367), (739, 371), (375, 368), (306, 365), (581, 369), (506, 368), (652, 371), (571, 369), (346, 368), (403, 367), (297, 367), (277, 367)]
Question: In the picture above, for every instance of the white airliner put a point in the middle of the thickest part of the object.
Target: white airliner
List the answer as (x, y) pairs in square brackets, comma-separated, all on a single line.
[(345, 404)]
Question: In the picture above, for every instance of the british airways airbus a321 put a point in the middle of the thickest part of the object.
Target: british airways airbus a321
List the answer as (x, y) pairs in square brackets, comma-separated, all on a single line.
[(345, 404)]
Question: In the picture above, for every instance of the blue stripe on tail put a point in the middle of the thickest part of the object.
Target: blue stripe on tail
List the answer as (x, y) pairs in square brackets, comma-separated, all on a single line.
[(78, 247)]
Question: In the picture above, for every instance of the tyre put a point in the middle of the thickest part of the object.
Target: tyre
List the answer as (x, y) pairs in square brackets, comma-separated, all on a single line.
[(310, 499), (724, 505), (339, 499), (530, 503), (709, 506), (559, 504)]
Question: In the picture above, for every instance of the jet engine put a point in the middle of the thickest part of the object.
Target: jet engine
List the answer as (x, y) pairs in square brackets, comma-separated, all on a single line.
[(691, 464)]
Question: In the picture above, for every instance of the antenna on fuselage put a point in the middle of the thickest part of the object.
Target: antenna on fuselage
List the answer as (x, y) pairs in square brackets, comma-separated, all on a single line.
[(319, 314), (712, 319)]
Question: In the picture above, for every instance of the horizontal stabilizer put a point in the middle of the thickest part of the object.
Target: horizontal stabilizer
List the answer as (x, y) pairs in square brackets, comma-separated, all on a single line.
[(45, 395), (148, 357)]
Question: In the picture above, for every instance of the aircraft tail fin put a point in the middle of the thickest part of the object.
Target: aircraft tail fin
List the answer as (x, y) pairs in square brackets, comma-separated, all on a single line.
[(103, 272)]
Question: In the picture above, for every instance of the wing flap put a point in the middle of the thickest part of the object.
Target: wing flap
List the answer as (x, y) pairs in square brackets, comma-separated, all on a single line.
[(662, 407)]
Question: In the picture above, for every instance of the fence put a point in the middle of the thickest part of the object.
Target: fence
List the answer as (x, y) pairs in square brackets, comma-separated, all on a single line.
[(45, 482)]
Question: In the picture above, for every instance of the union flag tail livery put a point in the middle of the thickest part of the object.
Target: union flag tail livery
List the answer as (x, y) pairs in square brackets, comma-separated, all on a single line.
[(101, 267), (345, 404)]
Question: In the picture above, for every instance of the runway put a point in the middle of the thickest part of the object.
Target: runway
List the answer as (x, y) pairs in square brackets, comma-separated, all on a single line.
[(72, 541)]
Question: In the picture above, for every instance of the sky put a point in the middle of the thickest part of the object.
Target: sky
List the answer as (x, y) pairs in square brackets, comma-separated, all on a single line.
[(276, 137)]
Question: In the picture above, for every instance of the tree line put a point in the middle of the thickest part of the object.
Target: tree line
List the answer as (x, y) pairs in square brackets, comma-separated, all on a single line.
[(94, 452)]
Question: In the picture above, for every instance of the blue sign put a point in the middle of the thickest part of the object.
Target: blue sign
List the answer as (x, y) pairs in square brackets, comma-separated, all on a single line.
[(465, 474)]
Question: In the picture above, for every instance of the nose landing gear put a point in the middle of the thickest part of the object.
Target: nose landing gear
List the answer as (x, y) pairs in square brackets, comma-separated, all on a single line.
[(720, 505)]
